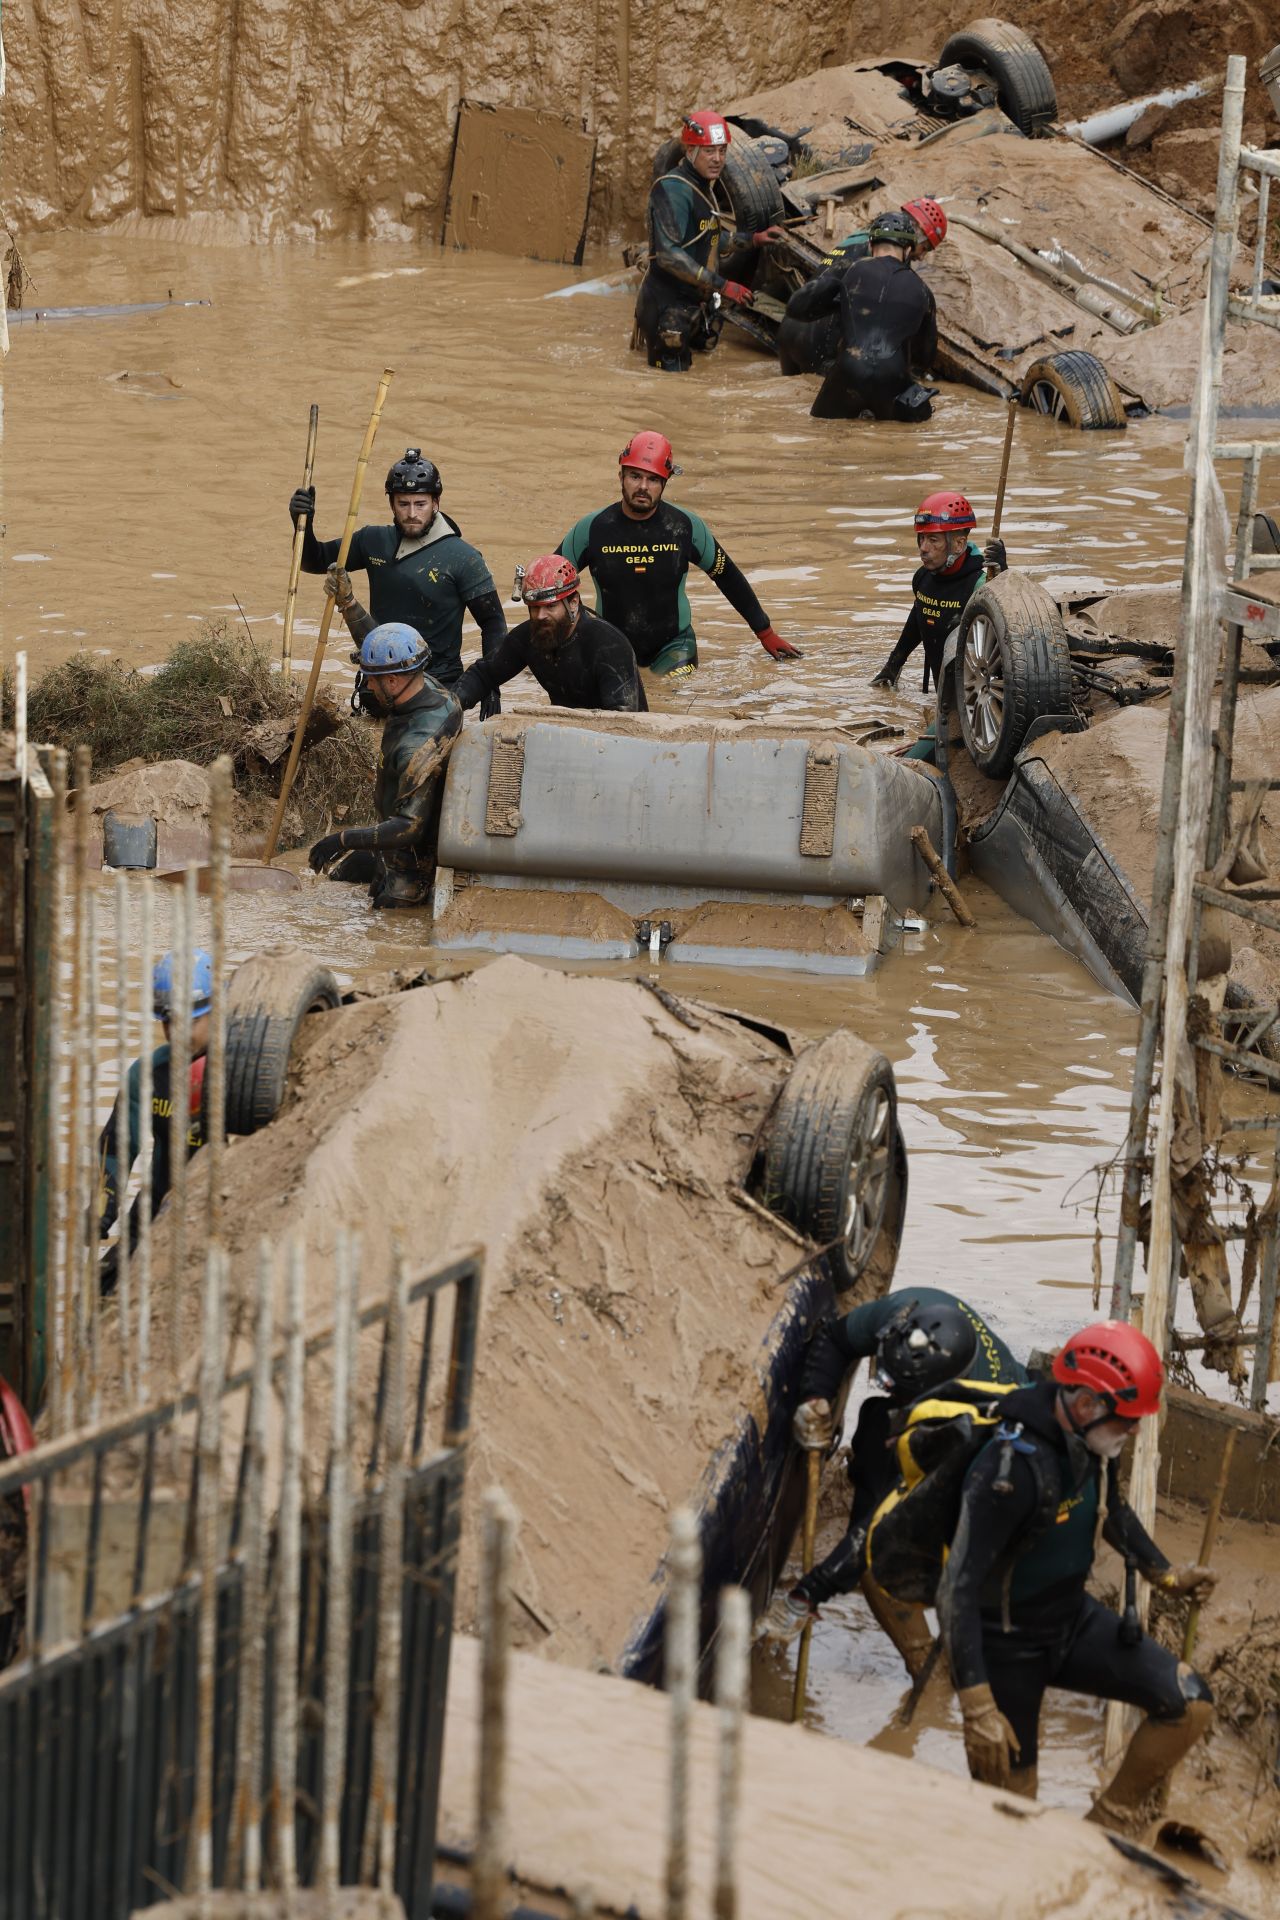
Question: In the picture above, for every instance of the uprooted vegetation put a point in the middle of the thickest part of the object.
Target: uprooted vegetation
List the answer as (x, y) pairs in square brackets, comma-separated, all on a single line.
[(216, 693)]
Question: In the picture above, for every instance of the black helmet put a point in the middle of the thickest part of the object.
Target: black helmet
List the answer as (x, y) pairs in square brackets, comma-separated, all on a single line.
[(413, 474), (921, 1348), (899, 229)]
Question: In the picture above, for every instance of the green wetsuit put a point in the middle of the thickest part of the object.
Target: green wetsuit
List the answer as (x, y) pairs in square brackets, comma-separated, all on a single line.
[(690, 231), (639, 568)]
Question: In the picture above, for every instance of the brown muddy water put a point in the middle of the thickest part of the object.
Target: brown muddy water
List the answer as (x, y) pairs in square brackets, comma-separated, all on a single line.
[(147, 463)]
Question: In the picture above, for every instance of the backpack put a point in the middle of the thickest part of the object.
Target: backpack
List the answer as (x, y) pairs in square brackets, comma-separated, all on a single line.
[(938, 1439)]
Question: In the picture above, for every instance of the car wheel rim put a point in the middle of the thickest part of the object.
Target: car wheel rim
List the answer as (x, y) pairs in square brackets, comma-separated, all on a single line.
[(1046, 398), (982, 681), (870, 1167)]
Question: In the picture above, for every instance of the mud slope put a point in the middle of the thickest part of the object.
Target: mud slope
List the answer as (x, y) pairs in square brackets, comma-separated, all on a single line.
[(588, 1139), (288, 120)]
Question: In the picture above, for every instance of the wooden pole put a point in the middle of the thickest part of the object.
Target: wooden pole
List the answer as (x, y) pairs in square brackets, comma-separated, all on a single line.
[(814, 1459), (295, 560), (1209, 1538), (942, 879), (326, 618), (998, 515)]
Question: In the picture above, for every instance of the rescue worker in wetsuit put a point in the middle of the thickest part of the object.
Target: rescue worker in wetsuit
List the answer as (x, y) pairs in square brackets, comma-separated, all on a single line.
[(639, 551), (1013, 1608), (918, 1339), (116, 1159), (577, 659), (421, 571), (691, 234), (422, 720), (888, 329), (951, 568), (811, 346)]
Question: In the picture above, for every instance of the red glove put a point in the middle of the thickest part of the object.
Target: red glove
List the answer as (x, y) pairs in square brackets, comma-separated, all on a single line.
[(736, 294), (776, 647), (767, 234)]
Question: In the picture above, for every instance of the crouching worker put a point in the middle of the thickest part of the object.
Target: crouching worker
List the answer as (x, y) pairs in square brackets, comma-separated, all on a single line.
[(888, 329), (116, 1156), (395, 858), (1012, 1602), (918, 1341), (577, 659)]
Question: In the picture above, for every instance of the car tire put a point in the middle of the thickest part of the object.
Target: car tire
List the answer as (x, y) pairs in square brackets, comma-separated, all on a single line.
[(834, 1163), (1013, 666), (1024, 83), (1076, 389), (749, 180), (268, 998)]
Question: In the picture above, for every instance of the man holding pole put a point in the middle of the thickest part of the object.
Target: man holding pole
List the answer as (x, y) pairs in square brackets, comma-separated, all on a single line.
[(951, 569), (422, 573)]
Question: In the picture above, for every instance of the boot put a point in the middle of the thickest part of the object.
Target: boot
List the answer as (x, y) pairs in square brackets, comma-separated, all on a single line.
[(903, 1621), (1024, 1781), (1152, 1755)]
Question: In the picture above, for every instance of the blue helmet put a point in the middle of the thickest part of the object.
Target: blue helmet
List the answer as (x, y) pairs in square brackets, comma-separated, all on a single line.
[(393, 647), (201, 985)]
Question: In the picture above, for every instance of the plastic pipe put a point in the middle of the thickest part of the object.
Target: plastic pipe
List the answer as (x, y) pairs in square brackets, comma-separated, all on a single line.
[(1114, 121)]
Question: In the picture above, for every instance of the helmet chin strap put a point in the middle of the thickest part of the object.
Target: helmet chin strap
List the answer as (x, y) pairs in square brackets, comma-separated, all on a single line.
[(1083, 1428)]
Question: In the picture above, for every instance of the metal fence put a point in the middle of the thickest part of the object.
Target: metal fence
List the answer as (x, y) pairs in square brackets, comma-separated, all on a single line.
[(226, 1676)]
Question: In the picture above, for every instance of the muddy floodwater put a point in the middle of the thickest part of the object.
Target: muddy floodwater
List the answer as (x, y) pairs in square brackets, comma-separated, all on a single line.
[(148, 461)]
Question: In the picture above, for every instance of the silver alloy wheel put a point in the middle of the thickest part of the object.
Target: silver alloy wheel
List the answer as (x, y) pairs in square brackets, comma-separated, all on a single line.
[(982, 682), (1044, 397), (870, 1167)]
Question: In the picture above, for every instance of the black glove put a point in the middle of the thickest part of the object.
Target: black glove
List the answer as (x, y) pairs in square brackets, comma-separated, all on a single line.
[(994, 558), (885, 678), (491, 704), (324, 851), (302, 504)]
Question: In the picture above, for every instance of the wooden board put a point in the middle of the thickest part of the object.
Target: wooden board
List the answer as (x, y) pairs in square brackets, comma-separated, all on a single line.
[(520, 183)]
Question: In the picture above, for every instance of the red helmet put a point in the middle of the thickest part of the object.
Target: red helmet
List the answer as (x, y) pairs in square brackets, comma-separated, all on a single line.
[(1116, 1360), (929, 217), (945, 513), (649, 453), (704, 130), (550, 578)]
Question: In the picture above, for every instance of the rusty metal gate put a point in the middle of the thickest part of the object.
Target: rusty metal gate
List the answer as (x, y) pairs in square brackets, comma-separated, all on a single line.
[(131, 1763)]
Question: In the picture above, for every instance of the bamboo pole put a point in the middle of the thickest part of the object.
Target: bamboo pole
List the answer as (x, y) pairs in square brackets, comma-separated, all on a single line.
[(146, 1133), (942, 879), (247, 1783), (124, 1290), (684, 1580), (489, 1864), (284, 1750), (813, 1463), (337, 1649), (182, 950), (380, 1836), (295, 558), (72, 1358), (92, 1162), (215, 1105), (199, 1873), (55, 1298), (326, 618)]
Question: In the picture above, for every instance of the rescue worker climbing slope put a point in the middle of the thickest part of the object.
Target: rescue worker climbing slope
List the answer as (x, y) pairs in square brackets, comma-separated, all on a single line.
[(421, 571), (577, 659), (689, 219), (888, 329), (951, 568), (919, 1338), (808, 345), (115, 1157), (1013, 1608), (639, 551), (422, 720)]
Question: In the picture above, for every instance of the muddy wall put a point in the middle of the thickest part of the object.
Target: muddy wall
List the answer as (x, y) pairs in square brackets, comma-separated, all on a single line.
[(280, 119)]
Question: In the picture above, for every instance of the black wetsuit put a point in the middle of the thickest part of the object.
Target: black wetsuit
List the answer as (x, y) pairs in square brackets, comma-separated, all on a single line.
[(397, 857), (639, 569), (116, 1165), (889, 336), (807, 344), (873, 1467), (595, 667), (938, 600), (689, 219), (428, 584), (1012, 1605)]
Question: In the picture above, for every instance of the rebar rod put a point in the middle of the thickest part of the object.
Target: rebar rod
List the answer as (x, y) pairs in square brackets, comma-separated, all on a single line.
[(731, 1699), (489, 1859), (284, 1750), (684, 1572)]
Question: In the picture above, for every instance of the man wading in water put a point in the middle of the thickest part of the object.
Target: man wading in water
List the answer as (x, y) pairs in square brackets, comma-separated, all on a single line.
[(951, 568), (421, 571), (888, 329), (639, 551), (677, 306), (577, 659), (396, 857), (808, 345)]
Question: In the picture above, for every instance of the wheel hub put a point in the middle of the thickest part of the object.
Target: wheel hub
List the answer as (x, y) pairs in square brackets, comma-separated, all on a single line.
[(869, 1170), (982, 677)]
